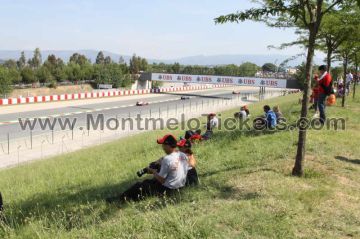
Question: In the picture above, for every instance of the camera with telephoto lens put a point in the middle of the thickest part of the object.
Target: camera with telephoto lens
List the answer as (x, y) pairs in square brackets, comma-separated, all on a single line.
[(153, 165)]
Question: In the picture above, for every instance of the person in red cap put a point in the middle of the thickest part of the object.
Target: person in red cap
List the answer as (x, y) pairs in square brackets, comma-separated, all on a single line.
[(325, 89), (192, 177), (172, 175)]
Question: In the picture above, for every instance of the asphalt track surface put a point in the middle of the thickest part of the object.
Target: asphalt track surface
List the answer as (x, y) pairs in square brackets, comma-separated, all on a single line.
[(9, 123)]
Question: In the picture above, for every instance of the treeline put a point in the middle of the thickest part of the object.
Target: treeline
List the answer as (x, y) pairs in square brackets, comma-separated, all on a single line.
[(52, 71), (245, 69)]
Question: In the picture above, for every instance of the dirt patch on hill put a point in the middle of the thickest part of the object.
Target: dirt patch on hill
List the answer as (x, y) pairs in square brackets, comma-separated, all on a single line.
[(51, 91)]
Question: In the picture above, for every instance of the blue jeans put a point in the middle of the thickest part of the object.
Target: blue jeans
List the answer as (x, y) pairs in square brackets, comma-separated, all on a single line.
[(322, 105)]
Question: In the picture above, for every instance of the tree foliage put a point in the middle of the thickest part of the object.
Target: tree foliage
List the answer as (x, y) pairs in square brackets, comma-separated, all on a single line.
[(303, 15)]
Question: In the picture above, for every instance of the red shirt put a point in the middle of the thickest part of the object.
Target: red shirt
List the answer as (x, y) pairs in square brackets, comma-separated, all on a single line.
[(324, 81), (315, 92), (195, 137)]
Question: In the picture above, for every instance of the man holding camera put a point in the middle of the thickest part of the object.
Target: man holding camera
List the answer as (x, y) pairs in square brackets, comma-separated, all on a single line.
[(172, 175)]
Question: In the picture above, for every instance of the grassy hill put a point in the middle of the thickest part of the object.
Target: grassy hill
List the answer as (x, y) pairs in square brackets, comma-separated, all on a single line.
[(246, 188)]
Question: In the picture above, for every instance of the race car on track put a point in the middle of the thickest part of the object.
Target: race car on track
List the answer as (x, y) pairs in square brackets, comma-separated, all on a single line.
[(185, 97), (236, 92), (141, 103)]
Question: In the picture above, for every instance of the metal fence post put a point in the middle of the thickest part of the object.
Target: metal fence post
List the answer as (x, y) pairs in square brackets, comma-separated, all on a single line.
[(42, 142), (18, 153), (8, 140), (31, 139)]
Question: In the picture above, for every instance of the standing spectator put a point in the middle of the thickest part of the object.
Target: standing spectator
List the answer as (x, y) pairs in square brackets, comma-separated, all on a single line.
[(324, 91), (349, 79), (270, 117)]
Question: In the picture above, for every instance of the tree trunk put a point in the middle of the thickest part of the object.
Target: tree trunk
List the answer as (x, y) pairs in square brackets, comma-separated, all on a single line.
[(356, 75), (345, 83), (328, 58), (298, 167)]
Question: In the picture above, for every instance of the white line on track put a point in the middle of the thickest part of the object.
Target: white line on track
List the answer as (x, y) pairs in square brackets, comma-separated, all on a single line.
[(83, 112)]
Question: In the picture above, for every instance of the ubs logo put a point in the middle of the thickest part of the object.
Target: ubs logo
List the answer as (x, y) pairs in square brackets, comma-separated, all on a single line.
[(240, 81)]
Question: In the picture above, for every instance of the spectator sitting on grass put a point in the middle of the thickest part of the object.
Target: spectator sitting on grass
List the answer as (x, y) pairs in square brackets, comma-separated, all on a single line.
[(278, 113), (243, 114), (270, 117), (172, 175), (192, 177), (212, 122), (192, 134)]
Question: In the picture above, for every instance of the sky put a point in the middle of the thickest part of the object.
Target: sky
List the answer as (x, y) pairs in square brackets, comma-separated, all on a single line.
[(158, 29)]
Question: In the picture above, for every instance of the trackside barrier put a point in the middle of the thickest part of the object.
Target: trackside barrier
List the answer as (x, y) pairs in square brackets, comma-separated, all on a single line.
[(93, 95)]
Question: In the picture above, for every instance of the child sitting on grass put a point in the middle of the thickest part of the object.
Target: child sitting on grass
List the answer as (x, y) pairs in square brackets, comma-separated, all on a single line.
[(192, 177)]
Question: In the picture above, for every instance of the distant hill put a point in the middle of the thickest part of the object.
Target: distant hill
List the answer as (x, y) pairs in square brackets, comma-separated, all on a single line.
[(190, 60)]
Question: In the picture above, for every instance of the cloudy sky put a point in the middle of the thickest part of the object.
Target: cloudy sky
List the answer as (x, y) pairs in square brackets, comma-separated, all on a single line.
[(161, 29)]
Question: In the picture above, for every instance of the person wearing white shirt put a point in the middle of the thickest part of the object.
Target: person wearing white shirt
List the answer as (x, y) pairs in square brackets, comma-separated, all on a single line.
[(349, 79), (213, 121)]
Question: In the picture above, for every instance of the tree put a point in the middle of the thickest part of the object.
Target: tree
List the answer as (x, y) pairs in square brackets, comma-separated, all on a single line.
[(5, 82), (107, 60), (303, 14), (346, 52), (356, 59), (73, 72), (121, 60), (79, 59), (56, 68), (176, 68), (143, 64), (248, 69), (11, 64), (269, 67), (44, 75), (100, 58), (134, 65), (28, 75), (21, 63), (36, 61), (336, 28)]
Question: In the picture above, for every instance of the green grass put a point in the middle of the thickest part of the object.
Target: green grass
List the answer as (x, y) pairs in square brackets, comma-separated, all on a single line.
[(246, 188)]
